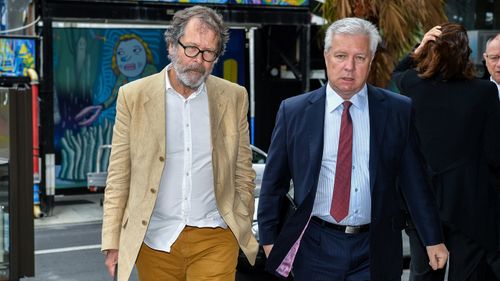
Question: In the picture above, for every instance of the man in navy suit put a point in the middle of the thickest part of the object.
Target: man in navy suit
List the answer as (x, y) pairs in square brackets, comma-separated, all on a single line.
[(350, 149)]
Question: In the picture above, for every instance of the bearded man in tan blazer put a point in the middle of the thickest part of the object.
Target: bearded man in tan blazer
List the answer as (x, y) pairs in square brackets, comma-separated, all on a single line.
[(179, 196)]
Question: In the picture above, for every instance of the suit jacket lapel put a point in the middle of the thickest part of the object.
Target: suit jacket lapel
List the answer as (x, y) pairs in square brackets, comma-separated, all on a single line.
[(154, 105), (378, 114), (314, 122), (216, 105)]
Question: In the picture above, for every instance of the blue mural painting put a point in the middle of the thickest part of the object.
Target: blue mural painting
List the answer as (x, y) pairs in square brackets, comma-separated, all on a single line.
[(90, 64)]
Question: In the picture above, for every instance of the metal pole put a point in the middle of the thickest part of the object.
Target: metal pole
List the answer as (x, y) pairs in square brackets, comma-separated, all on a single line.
[(36, 146), (251, 58), (305, 47)]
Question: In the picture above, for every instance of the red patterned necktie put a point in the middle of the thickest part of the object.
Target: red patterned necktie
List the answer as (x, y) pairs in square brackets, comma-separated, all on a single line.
[(342, 185)]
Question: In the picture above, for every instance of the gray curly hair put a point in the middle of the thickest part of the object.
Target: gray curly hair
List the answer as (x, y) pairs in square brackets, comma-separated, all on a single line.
[(207, 16)]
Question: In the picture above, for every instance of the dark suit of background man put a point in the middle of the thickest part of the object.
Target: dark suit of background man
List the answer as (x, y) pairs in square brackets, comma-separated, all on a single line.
[(458, 123), (309, 137), (491, 59)]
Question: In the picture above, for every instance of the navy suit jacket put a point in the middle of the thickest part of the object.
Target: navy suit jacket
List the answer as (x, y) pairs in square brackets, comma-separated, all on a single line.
[(395, 165)]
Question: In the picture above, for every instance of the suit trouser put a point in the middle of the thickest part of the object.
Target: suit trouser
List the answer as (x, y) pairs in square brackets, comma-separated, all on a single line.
[(198, 254), (494, 262), (326, 254), (467, 260)]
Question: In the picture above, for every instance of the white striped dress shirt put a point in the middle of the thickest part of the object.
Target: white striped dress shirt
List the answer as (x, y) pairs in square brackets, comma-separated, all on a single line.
[(360, 200)]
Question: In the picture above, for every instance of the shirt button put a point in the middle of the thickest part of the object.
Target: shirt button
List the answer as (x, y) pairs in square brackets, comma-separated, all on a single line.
[(153, 190), (353, 167), (355, 190), (144, 223), (187, 174), (188, 149), (162, 158)]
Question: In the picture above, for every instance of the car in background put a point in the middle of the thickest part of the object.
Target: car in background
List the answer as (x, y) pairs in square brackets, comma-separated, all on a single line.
[(259, 158)]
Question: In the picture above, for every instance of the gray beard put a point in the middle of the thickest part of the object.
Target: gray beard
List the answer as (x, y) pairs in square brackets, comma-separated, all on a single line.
[(185, 78)]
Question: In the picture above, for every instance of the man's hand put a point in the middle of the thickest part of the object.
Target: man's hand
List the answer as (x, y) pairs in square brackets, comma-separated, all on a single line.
[(267, 249), (438, 256), (111, 261)]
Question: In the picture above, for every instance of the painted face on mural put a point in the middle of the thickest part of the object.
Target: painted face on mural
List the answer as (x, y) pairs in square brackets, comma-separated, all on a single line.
[(131, 57), (191, 72)]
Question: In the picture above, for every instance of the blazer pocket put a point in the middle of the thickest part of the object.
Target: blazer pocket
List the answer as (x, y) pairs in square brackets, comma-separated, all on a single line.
[(125, 220)]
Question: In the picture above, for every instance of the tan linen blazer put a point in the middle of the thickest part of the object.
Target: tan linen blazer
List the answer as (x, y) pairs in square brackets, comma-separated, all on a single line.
[(138, 159)]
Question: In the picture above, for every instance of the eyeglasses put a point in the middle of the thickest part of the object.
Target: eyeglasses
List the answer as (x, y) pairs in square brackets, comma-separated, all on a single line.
[(493, 58), (193, 51)]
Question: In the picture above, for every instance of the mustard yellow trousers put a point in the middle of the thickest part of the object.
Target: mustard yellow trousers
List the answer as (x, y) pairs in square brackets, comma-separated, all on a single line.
[(198, 254)]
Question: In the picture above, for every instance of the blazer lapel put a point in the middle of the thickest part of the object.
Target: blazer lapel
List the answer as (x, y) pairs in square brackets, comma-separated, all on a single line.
[(154, 105), (216, 106), (314, 122), (378, 115)]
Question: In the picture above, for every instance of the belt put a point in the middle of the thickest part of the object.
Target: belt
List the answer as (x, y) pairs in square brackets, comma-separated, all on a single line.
[(350, 229)]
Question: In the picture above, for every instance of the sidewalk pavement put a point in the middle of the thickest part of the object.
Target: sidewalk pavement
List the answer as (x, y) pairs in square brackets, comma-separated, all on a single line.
[(82, 208)]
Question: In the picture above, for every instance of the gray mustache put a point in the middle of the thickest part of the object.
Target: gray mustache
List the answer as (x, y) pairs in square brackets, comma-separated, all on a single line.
[(199, 69)]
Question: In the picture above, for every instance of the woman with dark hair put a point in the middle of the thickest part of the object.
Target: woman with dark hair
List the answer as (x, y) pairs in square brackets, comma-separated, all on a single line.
[(458, 122)]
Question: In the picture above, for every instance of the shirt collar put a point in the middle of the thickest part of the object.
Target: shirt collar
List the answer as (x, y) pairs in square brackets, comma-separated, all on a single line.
[(491, 79), (170, 89), (358, 100)]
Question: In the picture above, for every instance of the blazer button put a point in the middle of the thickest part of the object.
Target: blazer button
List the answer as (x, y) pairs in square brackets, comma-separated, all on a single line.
[(144, 223), (162, 159), (153, 190)]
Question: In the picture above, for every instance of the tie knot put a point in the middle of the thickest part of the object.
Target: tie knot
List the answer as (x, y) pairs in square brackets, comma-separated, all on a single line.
[(347, 104)]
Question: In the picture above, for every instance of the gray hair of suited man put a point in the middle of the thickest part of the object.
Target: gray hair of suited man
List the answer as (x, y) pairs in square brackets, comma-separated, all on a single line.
[(494, 37), (207, 16), (353, 26)]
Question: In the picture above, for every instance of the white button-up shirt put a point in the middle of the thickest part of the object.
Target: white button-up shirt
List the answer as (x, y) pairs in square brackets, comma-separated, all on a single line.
[(498, 86), (360, 200), (186, 195)]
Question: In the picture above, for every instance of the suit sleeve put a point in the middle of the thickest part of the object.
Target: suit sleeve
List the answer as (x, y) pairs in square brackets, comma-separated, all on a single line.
[(244, 174), (275, 182), (491, 137), (416, 189), (118, 180)]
